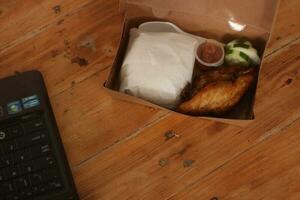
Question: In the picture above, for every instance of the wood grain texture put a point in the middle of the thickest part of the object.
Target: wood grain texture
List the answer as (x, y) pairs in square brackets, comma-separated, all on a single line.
[(151, 167), (91, 121), (120, 150), (21, 19), (90, 35), (287, 27), (269, 171)]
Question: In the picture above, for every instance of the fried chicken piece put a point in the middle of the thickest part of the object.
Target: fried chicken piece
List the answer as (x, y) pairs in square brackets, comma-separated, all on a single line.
[(221, 74), (219, 91)]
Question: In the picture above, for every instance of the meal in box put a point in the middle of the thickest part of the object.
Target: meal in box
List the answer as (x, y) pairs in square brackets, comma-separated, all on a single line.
[(189, 73)]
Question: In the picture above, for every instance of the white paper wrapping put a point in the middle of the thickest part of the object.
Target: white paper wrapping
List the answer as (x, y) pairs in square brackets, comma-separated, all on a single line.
[(157, 66)]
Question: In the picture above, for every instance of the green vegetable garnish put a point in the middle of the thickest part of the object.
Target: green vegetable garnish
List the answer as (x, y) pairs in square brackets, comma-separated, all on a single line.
[(228, 50), (245, 56), (241, 52)]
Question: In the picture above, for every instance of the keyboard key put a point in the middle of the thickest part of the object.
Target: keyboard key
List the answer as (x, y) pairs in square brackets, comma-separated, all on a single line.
[(36, 179), (29, 140), (10, 146), (55, 184), (30, 116), (35, 190), (16, 131), (6, 187), (12, 172), (17, 197), (21, 183), (40, 150), (14, 197), (43, 188), (50, 174), (31, 153), (37, 137), (34, 125), (28, 193), (6, 161), (22, 156), (26, 168), (45, 148), (23, 194), (4, 135), (44, 162)]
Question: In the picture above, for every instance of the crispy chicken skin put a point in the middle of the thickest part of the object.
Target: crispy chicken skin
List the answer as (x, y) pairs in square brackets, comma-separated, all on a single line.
[(218, 91)]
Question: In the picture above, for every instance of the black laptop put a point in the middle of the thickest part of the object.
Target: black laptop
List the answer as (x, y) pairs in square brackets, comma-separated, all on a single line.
[(33, 164)]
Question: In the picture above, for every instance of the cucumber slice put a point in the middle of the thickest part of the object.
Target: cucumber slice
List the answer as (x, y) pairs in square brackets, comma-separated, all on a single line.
[(237, 58), (251, 53), (247, 50)]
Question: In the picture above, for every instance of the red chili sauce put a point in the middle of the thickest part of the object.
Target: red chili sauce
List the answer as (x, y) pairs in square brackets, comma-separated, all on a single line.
[(209, 52)]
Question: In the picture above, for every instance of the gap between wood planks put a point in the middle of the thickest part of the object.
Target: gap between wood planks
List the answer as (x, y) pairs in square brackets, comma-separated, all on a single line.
[(255, 145), (155, 119), (80, 81), (126, 138), (287, 44), (42, 28)]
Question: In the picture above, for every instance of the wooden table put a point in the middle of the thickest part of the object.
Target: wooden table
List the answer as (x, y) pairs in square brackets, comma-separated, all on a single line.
[(118, 150)]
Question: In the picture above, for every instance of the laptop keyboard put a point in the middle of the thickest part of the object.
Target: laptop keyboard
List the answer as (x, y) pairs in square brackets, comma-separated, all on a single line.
[(27, 165)]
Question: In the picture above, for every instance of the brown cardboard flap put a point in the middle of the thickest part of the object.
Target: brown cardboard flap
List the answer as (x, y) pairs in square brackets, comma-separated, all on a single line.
[(256, 13), (127, 98)]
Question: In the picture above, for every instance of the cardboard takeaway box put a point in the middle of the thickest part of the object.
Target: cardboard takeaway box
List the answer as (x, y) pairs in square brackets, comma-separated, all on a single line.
[(222, 20)]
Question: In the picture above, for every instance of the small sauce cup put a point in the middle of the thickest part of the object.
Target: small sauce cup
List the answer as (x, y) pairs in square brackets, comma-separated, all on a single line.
[(210, 54)]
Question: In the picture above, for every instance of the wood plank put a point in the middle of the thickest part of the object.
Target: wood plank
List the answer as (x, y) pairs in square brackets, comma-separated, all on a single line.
[(287, 28), (280, 71), (21, 20), (90, 121), (150, 167), (71, 50), (268, 171)]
